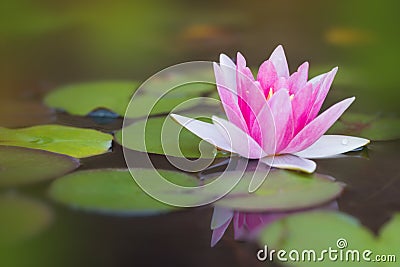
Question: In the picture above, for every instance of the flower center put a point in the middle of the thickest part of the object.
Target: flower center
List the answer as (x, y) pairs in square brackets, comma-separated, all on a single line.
[(271, 93)]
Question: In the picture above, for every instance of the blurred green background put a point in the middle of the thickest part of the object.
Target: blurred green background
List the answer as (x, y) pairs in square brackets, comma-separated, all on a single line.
[(44, 44)]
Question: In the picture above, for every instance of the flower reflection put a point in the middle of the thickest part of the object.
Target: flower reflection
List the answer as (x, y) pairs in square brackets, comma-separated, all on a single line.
[(246, 225)]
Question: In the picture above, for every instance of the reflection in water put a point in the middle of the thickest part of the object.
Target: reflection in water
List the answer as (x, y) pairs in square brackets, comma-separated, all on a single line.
[(246, 225)]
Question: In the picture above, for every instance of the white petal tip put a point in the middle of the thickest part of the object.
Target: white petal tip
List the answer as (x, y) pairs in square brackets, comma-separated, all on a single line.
[(291, 162), (224, 60), (176, 117), (332, 145)]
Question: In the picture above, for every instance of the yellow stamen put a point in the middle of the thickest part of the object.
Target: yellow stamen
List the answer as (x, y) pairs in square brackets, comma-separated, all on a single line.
[(270, 93)]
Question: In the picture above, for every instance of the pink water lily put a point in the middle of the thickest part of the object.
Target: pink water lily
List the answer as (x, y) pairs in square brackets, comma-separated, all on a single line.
[(274, 117)]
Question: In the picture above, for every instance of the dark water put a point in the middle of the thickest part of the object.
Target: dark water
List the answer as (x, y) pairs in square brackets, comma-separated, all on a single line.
[(46, 44)]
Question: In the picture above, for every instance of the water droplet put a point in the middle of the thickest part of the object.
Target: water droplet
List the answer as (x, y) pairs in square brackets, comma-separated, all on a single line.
[(345, 142), (41, 140)]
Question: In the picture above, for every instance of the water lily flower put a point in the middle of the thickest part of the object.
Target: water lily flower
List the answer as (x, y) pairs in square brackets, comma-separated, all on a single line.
[(274, 118)]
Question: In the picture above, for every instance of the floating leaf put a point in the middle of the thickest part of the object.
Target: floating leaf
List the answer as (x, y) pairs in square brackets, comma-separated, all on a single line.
[(21, 218), (154, 101), (281, 191), (194, 81), (367, 126), (19, 166), (321, 230), (113, 191), (115, 97), (164, 136), (75, 142), (112, 95)]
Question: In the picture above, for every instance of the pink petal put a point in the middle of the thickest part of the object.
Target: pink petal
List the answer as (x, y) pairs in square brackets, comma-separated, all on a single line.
[(298, 79), (314, 130), (301, 105), (281, 83), (321, 93), (267, 76), (278, 58), (218, 233), (239, 219), (290, 162), (220, 217), (251, 97), (329, 145), (224, 60), (206, 131), (239, 225), (227, 93), (317, 79), (266, 128), (281, 109), (241, 142), (228, 73), (253, 221)]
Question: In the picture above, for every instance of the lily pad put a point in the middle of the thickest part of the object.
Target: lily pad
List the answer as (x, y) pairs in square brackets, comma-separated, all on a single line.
[(21, 218), (112, 95), (164, 136), (20, 166), (115, 96), (113, 191), (321, 230), (281, 191), (373, 127), (75, 142)]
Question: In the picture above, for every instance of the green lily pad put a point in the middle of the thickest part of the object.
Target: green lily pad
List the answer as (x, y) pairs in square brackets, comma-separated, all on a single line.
[(201, 78), (113, 191), (321, 230), (376, 127), (20, 166), (112, 95), (21, 218), (164, 136), (116, 96), (281, 191), (75, 142)]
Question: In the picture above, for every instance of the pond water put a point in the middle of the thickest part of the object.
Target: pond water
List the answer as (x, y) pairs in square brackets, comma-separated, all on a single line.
[(46, 45)]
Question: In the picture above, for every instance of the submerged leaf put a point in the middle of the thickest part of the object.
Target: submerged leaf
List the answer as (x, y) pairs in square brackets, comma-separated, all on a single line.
[(75, 142), (113, 191), (19, 166), (21, 218)]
